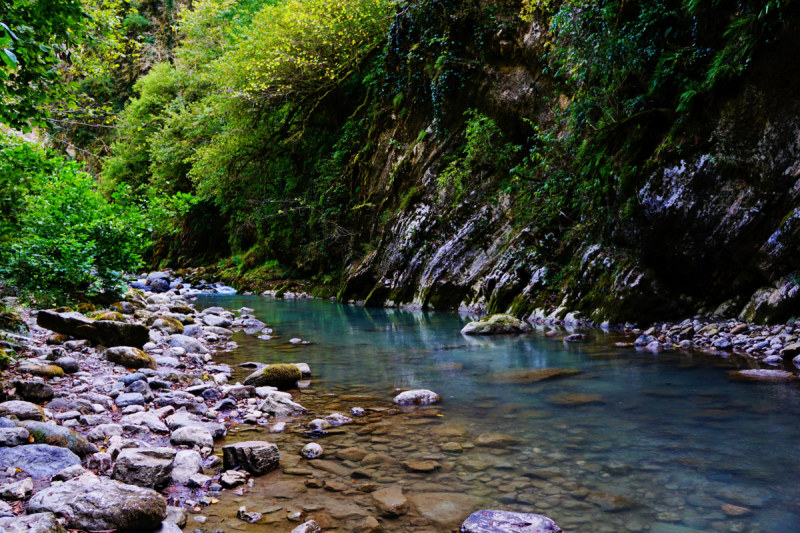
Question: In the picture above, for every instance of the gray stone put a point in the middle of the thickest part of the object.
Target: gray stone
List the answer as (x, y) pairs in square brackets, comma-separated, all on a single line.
[(192, 436), (146, 419), (278, 404), (96, 504), (105, 332), (129, 398), (68, 364), (32, 523), (18, 490), (496, 324), (187, 463), (34, 390), (257, 457), (22, 410), (505, 522), (146, 467), (55, 435), (14, 436), (39, 460), (417, 397), (104, 431), (191, 345)]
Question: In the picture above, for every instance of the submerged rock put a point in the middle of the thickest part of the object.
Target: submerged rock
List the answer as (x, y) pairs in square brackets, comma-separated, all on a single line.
[(311, 450), (573, 400), (496, 440), (278, 404), (496, 324), (532, 375), (390, 502), (760, 374), (105, 332), (96, 504), (417, 397), (506, 522), (446, 509)]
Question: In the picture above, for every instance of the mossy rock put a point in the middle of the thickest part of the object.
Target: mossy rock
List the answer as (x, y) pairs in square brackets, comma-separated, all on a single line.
[(283, 376), (58, 339), (496, 324), (125, 308), (13, 322), (111, 315), (280, 292), (164, 324), (5, 359), (54, 435), (130, 357), (63, 309), (45, 371), (85, 308)]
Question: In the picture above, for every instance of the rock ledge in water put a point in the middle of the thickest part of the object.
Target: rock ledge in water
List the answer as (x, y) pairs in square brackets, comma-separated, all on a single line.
[(496, 324), (505, 522), (417, 397)]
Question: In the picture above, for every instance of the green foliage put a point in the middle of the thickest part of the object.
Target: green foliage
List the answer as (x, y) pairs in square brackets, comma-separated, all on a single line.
[(483, 153), (66, 239)]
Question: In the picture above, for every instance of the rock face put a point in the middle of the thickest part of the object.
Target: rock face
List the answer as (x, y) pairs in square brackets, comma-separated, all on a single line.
[(146, 467), (257, 457), (105, 332), (100, 505), (496, 324), (282, 376), (130, 357), (417, 397), (506, 522), (39, 460)]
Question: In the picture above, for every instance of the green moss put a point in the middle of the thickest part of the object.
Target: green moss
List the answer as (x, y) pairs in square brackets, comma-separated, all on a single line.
[(280, 375)]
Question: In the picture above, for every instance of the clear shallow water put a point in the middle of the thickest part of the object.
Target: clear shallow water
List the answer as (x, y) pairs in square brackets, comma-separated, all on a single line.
[(671, 433)]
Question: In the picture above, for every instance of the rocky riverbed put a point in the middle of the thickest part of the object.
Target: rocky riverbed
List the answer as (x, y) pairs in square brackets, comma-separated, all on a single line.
[(124, 419)]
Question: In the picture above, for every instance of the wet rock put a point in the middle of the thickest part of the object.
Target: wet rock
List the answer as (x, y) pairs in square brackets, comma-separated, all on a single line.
[(319, 424), (187, 463), (417, 397), (421, 467), (357, 411), (279, 404), (191, 345), (574, 400), (130, 357), (576, 337), (281, 376), (233, 478), (735, 510), (351, 454), (55, 435), (311, 450), (610, 502), (33, 390), (257, 457), (368, 525), (338, 419), (96, 504), (452, 447), (449, 431), (532, 375), (307, 527), (496, 324), (197, 481), (496, 440), (390, 502), (145, 467), (39, 460), (251, 517), (32, 523), (192, 436), (758, 374), (105, 332), (506, 522)]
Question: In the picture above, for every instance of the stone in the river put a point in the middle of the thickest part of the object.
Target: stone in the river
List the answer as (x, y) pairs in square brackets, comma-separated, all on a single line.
[(506, 522), (496, 440), (192, 436), (257, 457), (351, 454), (105, 332), (610, 502), (33, 390), (357, 411), (338, 419), (278, 404), (282, 376), (39, 460), (45, 371), (446, 509), (759, 374), (791, 351), (55, 435), (417, 397), (166, 325), (532, 375), (575, 337), (390, 501), (96, 504), (318, 424), (191, 345), (575, 399), (496, 324), (452, 447), (32, 523), (130, 357), (735, 510), (187, 463), (311, 450), (16, 436), (233, 478), (422, 467), (307, 527), (146, 467), (449, 431)]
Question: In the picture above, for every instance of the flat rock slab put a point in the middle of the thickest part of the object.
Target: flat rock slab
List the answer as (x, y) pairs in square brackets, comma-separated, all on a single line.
[(447, 509), (505, 522), (39, 460)]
